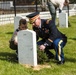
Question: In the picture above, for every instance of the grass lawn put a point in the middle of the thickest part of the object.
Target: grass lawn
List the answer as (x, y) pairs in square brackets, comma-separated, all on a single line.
[(9, 66)]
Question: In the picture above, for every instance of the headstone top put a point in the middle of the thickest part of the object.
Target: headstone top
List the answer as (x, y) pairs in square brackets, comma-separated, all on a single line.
[(63, 20), (27, 51)]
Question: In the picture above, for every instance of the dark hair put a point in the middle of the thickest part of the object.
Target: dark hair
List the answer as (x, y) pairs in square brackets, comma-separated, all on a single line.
[(23, 21), (67, 1)]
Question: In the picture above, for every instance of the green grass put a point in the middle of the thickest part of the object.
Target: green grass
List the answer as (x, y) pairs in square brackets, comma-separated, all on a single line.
[(9, 66)]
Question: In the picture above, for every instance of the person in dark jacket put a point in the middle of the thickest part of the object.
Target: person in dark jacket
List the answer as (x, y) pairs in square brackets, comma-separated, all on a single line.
[(52, 38)]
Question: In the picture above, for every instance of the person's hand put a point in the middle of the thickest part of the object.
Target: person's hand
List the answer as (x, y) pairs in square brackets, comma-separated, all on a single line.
[(15, 43), (15, 40), (41, 47)]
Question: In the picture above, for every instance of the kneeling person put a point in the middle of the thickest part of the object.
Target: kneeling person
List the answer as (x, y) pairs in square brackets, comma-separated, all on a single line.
[(13, 41), (52, 38)]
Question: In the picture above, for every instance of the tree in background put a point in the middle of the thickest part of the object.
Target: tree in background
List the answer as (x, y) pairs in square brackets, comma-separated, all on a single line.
[(33, 1), (72, 1)]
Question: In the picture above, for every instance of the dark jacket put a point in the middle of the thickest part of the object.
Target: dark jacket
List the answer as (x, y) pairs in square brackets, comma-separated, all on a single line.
[(49, 31)]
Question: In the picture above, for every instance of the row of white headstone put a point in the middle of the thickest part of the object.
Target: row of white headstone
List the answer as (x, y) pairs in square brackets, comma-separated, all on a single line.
[(27, 50), (63, 20)]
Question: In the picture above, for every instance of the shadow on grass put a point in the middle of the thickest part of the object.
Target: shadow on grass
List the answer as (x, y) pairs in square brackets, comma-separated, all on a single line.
[(73, 38), (9, 33), (11, 57), (70, 59)]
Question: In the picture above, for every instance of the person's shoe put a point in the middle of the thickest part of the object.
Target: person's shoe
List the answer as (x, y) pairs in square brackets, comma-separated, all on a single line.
[(61, 62), (16, 55), (51, 56), (17, 58)]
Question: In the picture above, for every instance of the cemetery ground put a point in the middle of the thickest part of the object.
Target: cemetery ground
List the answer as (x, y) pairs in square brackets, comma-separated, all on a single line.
[(9, 66)]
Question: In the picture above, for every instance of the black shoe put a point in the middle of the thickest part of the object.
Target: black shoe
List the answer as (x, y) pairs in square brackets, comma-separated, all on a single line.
[(16, 55), (61, 62), (51, 56), (17, 58)]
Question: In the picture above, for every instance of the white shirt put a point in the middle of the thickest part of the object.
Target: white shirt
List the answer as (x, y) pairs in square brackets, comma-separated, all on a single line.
[(16, 37), (58, 3)]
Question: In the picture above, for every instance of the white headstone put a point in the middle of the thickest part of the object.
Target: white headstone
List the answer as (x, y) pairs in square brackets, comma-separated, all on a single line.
[(63, 20), (16, 21), (27, 52)]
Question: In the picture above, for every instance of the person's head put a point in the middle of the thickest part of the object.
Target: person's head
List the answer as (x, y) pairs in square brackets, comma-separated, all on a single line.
[(22, 24), (34, 19), (66, 3)]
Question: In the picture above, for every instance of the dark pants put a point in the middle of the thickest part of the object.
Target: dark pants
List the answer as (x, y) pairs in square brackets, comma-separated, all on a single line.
[(13, 46), (52, 9), (58, 45)]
